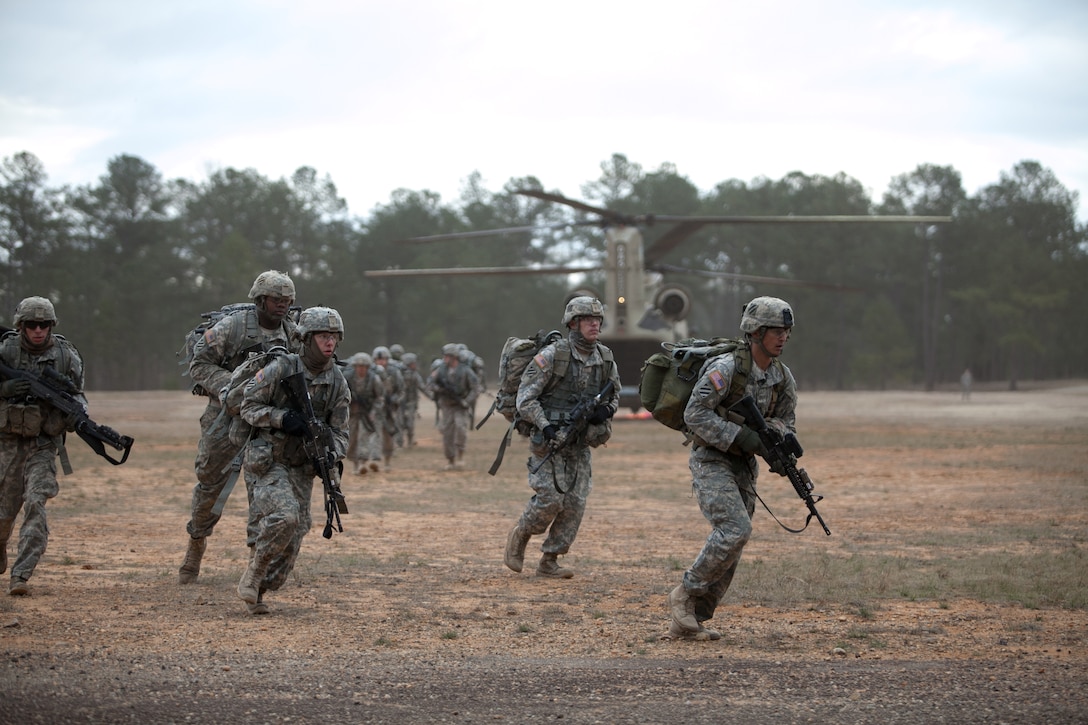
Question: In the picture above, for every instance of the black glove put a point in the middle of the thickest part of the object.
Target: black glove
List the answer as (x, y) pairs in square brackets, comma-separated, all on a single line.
[(550, 433), (600, 414), (15, 388), (293, 424), (748, 440)]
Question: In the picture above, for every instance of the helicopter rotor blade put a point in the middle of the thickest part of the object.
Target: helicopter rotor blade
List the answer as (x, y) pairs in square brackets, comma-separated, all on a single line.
[(449, 236), (781, 281), (476, 271)]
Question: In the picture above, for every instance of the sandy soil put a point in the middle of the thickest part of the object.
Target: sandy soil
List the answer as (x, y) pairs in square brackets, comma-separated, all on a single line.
[(409, 615)]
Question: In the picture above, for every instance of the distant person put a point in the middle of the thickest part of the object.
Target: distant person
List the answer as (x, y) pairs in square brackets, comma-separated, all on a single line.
[(367, 401), (454, 388), (32, 434), (225, 346), (393, 402), (559, 377), (966, 381), (277, 467), (723, 456), (414, 385)]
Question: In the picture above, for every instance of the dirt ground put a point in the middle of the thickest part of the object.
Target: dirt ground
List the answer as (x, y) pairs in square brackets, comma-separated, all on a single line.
[(409, 615)]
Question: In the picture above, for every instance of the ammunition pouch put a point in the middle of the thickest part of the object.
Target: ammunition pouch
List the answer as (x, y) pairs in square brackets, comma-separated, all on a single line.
[(22, 420)]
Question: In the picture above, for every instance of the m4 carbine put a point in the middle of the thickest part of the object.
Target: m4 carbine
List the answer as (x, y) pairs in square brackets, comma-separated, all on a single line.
[(317, 443), (781, 454), (58, 391)]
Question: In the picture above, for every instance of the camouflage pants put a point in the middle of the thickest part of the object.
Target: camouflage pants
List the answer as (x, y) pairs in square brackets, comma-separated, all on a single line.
[(411, 413), (29, 478), (364, 444), (215, 455), (560, 514), (280, 511), (725, 488), (454, 423)]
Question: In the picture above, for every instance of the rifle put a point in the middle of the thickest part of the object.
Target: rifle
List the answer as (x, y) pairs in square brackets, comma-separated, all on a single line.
[(59, 391), (317, 443), (781, 454), (576, 424)]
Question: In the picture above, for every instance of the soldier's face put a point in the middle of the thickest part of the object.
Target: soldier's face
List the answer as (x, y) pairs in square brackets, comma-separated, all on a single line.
[(325, 342), (277, 307), (36, 332), (590, 328)]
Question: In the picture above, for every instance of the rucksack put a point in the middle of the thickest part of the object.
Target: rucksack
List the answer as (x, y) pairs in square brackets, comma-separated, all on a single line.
[(197, 333), (514, 358), (668, 377), (231, 397)]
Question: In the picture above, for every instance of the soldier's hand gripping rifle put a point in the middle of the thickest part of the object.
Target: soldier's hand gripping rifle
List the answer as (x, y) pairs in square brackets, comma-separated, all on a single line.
[(781, 454), (58, 391), (577, 422), (318, 445)]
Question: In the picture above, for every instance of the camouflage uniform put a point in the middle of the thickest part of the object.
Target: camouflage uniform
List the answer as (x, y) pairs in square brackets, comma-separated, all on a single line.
[(454, 389), (724, 477), (414, 384), (31, 435), (394, 401), (544, 399), (367, 412), (277, 469), (225, 346)]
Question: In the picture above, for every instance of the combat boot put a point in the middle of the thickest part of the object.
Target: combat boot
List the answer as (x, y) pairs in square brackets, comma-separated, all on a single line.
[(550, 568), (514, 557), (682, 610), (249, 586), (703, 634), (259, 606), (190, 568), (18, 587)]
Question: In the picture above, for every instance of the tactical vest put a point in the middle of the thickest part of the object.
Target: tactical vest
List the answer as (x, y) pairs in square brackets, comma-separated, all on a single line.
[(29, 419), (561, 392)]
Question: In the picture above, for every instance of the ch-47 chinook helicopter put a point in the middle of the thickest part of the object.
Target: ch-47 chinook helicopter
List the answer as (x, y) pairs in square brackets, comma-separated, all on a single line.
[(641, 309)]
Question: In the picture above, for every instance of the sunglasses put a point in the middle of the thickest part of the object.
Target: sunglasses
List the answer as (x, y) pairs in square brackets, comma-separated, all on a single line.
[(37, 324)]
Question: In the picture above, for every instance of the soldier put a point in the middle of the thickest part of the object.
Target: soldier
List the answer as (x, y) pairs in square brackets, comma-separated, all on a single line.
[(453, 387), (475, 363), (560, 376), (414, 384), (722, 459), (394, 401), (396, 360), (367, 401), (225, 346), (277, 467), (32, 434)]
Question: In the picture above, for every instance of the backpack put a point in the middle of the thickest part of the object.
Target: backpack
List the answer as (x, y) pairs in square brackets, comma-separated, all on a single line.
[(197, 334), (667, 378), (514, 358), (234, 393)]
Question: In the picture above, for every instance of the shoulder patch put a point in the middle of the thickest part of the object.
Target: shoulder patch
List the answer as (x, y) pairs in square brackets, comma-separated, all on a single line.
[(259, 377), (210, 335), (717, 380), (541, 361)]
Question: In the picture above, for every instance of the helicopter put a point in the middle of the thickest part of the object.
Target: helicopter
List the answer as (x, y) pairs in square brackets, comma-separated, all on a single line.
[(641, 309)]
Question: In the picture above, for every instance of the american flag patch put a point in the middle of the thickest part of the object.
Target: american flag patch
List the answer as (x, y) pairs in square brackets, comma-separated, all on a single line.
[(717, 380), (259, 377), (209, 335), (541, 361)]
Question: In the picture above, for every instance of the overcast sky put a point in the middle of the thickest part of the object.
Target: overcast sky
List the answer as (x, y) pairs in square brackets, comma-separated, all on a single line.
[(420, 94)]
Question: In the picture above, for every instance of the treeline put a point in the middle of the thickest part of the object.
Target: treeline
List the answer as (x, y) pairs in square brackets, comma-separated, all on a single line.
[(132, 260)]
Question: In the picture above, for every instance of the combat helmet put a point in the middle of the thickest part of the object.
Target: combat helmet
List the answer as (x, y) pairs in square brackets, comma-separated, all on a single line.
[(361, 358), (766, 312), (583, 307), (381, 352), (396, 350), (37, 309), (272, 284), (320, 319)]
